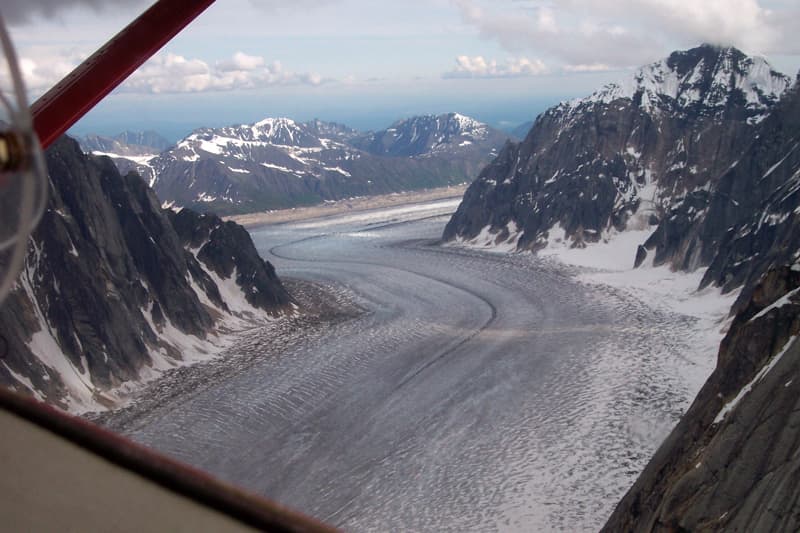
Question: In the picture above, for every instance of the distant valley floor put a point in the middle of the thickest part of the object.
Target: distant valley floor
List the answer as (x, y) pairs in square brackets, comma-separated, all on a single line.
[(350, 205)]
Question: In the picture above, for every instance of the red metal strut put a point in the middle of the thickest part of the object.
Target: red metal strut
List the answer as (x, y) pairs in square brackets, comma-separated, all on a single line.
[(71, 98)]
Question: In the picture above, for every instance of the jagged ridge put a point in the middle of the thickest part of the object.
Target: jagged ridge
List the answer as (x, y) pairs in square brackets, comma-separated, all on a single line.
[(109, 292)]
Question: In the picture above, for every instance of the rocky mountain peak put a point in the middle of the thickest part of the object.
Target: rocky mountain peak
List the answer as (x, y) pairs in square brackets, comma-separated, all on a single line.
[(426, 134), (466, 123), (230, 140), (707, 79), (447, 124), (282, 132), (331, 130), (624, 156)]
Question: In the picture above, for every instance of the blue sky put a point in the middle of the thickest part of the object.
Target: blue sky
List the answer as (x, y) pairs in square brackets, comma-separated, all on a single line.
[(367, 63)]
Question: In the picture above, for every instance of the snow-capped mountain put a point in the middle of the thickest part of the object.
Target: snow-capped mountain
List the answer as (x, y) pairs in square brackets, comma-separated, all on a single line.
[(620, 158), (127, 143), (251, 142), (115, 291), (705, 80), (429, 135), (270, 131), (278, 162)]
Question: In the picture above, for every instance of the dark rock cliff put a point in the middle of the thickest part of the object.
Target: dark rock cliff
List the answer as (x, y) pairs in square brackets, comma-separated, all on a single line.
[(108, 289), (747, 223), (226, 249), (732, 463)]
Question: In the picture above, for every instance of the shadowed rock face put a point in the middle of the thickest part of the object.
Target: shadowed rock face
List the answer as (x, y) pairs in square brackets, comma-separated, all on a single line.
[(626, 155), (732, 463), (226, 248), (105, 274)]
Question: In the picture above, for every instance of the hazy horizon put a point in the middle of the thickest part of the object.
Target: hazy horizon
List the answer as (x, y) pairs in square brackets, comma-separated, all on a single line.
[(112, 120), (367, 64)]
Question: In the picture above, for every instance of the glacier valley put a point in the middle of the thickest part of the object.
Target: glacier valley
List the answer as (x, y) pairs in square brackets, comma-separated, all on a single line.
[(471, 391)]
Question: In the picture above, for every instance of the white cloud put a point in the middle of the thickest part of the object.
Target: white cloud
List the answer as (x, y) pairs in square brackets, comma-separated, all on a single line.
[(593, 67), (42, 67), (170, 73), (165, 73), (546, 20), (478, 67), (742, 23), (241, 61), (622, 33)]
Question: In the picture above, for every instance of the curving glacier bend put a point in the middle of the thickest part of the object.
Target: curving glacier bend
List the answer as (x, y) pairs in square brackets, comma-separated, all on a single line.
[(477, 391)]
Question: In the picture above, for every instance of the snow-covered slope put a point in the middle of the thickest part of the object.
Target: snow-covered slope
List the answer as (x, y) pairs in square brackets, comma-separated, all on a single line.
[(238, 141), (708, 79)]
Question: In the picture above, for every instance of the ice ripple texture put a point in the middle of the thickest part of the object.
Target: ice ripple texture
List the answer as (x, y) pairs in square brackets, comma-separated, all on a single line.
[(479, 392)]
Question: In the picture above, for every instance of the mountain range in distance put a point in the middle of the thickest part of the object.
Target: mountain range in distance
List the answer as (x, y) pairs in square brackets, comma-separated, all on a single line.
[(277, 162), (126, 144)]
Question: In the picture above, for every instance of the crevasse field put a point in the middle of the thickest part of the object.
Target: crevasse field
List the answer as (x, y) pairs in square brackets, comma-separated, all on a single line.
[(478, 390)]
